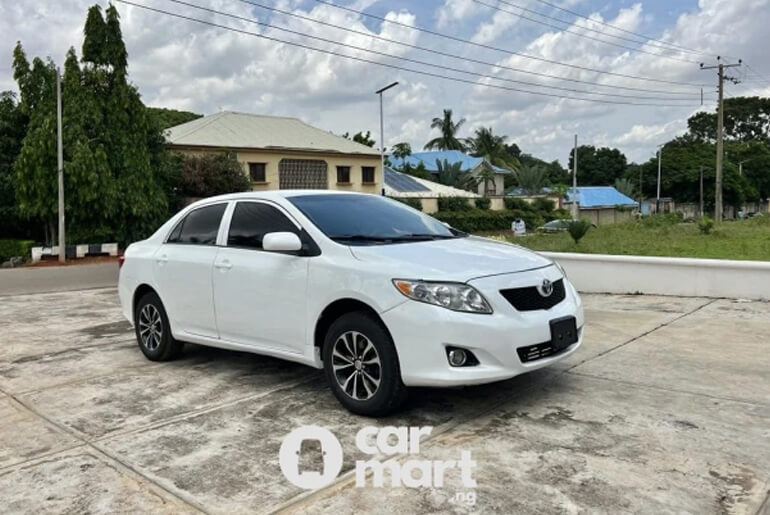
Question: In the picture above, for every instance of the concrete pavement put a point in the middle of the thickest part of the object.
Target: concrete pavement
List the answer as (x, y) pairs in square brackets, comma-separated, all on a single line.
[(665, 409)]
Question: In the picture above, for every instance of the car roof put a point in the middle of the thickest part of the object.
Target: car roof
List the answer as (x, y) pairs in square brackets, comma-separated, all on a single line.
[(275, 194)]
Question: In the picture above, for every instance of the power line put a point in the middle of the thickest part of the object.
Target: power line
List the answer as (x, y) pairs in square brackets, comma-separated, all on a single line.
[(585, 36), (425, 63), (455, 56), (646, 40), (391, 66), (503, 50), (579, 15)]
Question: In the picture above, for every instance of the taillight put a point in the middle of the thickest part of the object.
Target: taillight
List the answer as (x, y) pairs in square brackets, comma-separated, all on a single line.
[(121, 260)]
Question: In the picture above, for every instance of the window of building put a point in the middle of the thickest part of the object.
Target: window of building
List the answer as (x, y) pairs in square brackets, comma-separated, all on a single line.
[(367, 174), (343, 174), (199, 227), (252, 220), (257, 172), (302, 174)]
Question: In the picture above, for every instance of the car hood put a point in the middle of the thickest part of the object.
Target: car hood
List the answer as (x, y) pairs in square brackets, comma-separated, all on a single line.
[(458, 259)]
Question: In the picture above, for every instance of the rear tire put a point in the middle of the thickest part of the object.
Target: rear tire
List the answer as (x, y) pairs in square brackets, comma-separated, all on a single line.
[(361, 365), (153, 332)]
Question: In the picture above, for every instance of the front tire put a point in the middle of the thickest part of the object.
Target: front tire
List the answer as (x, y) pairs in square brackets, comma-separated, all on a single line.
[(361, 365), (153, 332)]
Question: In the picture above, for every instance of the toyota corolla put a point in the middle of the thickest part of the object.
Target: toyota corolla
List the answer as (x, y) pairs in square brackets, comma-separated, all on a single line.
[(380, 296)]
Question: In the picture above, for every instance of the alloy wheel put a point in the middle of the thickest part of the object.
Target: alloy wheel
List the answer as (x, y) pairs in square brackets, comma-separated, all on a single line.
[(356, 365), (150, 327)]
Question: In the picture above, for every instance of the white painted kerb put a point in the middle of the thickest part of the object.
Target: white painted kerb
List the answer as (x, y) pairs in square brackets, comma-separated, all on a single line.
[(602, 273)]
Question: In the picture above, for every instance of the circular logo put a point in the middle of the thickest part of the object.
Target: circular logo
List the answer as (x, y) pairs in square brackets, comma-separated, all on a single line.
[(546, 288), (288, 457)]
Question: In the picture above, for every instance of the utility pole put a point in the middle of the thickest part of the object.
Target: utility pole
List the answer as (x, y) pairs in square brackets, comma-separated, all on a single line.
[(657, 199), (701, 191), (720, 67), (60, 158), (382, 134), (574, 183), (641, 192)]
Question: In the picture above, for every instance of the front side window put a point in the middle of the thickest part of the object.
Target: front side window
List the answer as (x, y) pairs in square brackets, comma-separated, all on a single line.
[(257, 172), (343, 174), (369, 219), (252, 220), (199, 227), (367, 174)]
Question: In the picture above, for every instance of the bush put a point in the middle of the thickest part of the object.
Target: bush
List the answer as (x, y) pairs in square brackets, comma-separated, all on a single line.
[(213, 174), (477, 220), (14, 248), (454, 204), (705, 224), (545, 205), (577, 229), (483, 203), (414, 203), (662, 220), (517, 203)]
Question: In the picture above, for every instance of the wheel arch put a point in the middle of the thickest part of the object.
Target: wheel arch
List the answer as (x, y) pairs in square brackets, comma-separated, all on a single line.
[(140, 291), (335, 310)]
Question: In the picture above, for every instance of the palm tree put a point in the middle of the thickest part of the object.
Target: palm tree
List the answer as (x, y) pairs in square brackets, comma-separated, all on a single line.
[(625, 186), (449, 129), (487, 145), (452, 175), (531, 179), (486, 175)]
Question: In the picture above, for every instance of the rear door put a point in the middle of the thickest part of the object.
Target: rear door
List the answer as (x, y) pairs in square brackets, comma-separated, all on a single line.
[(260, 296), (183, 270)]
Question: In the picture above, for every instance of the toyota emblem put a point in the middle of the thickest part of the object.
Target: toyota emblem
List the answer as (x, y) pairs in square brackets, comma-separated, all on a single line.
[(546, 288)]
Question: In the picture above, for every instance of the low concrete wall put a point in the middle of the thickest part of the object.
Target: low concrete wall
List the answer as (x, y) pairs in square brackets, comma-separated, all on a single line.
[(600, 273)]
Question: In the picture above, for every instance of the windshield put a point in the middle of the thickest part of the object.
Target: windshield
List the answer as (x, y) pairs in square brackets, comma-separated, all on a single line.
[(369, 219)]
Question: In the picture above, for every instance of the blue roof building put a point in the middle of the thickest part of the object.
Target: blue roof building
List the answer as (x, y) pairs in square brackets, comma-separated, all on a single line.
[(470, 164), (595, 197)]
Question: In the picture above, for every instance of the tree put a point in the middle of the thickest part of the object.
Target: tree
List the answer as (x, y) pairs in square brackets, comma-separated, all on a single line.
[(531, 179), (485, 176), (625, 186), (492, 148), (746, 119), (449, 129), (417, 171), (112, 148), (167, 118), (451, 174), (360, 137), (598, 167), (13, 126), (209, 175), (401, 150)]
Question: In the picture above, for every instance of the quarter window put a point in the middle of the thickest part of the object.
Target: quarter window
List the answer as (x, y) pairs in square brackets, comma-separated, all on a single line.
[(199, 227), (367, 174), (343, 174), (257, 172), (252, 220)]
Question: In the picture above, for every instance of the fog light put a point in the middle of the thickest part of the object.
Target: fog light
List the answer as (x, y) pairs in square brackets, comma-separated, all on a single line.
[(457, 357)]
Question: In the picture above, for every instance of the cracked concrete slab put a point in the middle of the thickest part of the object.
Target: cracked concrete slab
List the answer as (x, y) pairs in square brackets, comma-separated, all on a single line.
[(79, 482), (721, 350), (590, 445)]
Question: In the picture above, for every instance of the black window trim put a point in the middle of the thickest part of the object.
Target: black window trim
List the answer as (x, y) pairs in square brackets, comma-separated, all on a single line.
[(264, 171), (374, 175), (188, 213), (349, 170), (309, 247)]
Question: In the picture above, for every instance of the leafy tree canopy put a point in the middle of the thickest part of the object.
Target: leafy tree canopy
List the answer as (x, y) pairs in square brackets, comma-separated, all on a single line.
[(166, 118), (746, 119), (360, 137), (598, 166)]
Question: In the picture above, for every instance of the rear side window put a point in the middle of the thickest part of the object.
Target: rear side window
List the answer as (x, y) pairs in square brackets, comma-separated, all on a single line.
[(200, 227), (252, 220)]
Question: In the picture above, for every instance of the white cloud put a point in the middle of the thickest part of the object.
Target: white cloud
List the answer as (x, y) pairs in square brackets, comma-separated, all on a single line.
[(452, 11)]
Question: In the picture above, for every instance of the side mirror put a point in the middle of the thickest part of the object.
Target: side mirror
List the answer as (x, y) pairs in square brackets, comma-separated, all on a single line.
[(281, 242)]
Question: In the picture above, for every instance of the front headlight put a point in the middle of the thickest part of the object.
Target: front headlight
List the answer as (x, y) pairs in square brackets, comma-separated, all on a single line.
[(454, 296)]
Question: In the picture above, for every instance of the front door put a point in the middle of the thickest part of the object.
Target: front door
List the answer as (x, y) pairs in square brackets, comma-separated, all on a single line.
[(260, 296), (183, 269)]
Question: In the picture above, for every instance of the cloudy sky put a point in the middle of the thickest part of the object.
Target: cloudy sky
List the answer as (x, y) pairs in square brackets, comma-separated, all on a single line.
[(187, 65)]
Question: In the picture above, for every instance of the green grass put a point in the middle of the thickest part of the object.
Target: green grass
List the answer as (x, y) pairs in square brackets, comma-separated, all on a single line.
[(745, 239)]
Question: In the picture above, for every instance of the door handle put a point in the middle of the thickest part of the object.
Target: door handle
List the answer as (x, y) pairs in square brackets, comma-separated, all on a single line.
[(162, 260), (224, 265)]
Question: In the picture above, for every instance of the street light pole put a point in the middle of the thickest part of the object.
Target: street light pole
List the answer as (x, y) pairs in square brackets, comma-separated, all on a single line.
[(657, 199), (60, 159), (382, 133)]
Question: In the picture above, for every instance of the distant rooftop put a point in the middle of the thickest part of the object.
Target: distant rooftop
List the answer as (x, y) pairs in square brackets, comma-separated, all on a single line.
[(240, 130), (399, 184), (600, 196), (451, 156)]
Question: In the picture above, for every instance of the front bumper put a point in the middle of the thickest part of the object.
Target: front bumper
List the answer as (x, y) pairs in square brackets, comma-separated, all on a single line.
[(421, 333)]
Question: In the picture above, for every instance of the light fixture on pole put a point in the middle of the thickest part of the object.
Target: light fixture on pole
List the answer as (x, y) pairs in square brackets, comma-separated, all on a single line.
[(382, 133)]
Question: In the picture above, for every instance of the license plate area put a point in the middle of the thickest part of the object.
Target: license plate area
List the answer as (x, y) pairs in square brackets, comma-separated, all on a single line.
[(563, 332)]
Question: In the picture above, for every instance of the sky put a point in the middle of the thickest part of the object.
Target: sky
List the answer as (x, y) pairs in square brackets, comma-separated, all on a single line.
[(184, 64)]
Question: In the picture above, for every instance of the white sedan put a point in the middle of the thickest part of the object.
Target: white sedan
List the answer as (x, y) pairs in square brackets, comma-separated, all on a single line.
[(378, 295)]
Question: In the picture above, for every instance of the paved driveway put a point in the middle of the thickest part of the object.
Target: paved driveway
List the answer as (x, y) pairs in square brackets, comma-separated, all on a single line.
[(666, 408)]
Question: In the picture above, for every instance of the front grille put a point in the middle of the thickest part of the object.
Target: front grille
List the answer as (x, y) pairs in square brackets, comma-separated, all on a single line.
[(538, 351), (529, 299)]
